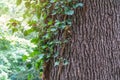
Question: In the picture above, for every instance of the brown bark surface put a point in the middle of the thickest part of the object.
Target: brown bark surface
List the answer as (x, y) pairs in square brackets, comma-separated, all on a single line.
[(94, 50)]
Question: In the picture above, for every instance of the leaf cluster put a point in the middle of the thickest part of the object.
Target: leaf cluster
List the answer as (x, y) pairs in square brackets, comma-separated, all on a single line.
[(48, 18)]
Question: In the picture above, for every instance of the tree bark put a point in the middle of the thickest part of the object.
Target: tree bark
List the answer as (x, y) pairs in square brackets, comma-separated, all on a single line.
[(94, 49)]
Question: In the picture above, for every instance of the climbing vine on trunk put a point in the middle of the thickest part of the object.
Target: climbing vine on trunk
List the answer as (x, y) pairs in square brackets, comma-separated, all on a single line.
[(49, 18)]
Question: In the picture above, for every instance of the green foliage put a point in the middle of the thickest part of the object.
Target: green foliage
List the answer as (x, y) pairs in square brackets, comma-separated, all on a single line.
[(11, 52), (30, 38), (18, 2), (4, 44), (3, 8), (13, 44), (42, 16)]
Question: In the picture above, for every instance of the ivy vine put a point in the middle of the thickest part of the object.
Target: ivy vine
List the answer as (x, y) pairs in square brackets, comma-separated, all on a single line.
[(48, 17)]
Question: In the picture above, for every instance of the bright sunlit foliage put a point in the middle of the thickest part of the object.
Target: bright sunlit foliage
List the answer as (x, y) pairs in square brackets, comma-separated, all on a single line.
[(13, 45)]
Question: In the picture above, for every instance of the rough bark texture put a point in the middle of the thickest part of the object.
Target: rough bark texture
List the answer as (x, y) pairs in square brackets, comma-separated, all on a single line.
[(94, 50)]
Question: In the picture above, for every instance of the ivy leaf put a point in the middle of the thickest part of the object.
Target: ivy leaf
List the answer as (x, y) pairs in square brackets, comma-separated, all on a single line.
[(41, 56), (47, 36), (18, 2), (54, 12), (53, 29), (53, 1), (44, 47), (68, 22), (57, 63), (69, 12), (65, 62), (78, 5), (62, 25), (56, 54)]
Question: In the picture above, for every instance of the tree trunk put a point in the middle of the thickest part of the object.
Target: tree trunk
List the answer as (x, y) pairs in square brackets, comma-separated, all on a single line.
[(94, 50)]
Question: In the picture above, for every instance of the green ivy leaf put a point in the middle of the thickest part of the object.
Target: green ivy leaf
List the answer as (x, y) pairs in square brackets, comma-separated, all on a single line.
[(69, 12), (41, 56), (54, 12), (62, 25), (68, 22), (65, 62), (53, 1), (78, 5), (56, 54), (57, 63), (47, 36), (53, 29)]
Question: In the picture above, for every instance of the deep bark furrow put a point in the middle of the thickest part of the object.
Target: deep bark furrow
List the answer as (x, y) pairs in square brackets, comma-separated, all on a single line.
[(94, 50)]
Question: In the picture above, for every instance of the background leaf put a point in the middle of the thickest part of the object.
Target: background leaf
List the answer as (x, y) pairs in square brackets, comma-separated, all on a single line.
[(18, 2)]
